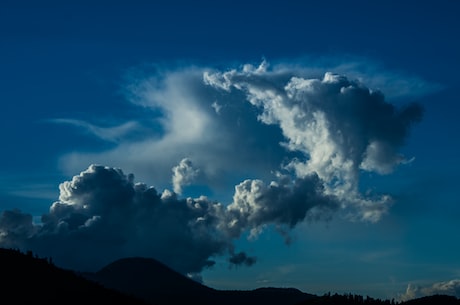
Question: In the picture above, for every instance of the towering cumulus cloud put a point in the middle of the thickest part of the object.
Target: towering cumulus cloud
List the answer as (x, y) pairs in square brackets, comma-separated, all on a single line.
[(339, 126), (290, 145)]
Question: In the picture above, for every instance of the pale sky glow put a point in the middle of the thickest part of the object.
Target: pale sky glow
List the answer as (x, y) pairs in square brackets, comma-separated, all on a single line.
[(292, 144)]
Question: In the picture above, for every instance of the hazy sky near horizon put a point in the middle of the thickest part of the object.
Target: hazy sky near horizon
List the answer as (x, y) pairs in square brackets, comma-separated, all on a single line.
[(290, 143)]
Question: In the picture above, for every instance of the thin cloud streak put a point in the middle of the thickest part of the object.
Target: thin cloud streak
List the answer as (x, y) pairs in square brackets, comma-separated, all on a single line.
[(111, 134)]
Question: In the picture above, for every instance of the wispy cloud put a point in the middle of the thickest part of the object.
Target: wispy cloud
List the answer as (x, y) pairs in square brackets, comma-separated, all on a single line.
[(230, 124), (451, 287), (111, 134), (27, 187), (37, 191), (397, 85)]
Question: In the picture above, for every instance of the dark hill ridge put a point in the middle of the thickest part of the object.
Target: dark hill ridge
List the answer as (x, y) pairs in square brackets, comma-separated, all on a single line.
[(153, 281), (149, 279), (27, 279), (434, 299), (156, 282)]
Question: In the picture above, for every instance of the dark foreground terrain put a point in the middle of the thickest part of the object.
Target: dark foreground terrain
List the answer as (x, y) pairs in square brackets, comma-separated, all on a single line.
[(27, 279)]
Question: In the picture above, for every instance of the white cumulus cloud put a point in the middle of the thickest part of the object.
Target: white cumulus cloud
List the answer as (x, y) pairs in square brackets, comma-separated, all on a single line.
[(103, 214), (338, 125), (276, 145), (183, 174)]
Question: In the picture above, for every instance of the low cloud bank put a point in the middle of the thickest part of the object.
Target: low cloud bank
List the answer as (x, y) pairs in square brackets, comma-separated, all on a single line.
[(451, 288), (102, 214)]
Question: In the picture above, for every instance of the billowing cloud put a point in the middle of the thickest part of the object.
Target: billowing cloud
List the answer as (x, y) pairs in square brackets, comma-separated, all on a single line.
[(284, 203), (451, 288), (15, 228), (225, 146), (338, 125), (102, 215), (183, 174), (277, 146), (223, 122)]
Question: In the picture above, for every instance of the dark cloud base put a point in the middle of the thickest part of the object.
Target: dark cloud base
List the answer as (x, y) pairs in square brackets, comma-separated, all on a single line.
[(102, 215)]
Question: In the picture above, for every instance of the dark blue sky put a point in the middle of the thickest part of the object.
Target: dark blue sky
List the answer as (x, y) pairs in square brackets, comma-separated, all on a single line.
[(106, 82)]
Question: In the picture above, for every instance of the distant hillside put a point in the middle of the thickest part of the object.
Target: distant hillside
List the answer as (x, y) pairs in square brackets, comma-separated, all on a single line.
[(157, 283), (435, 299), (151, 280), (27, 279), (350, 299)]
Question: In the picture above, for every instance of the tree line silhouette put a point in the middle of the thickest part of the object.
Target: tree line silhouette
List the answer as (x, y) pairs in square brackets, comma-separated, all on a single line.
[(354, 299), (29, 279)]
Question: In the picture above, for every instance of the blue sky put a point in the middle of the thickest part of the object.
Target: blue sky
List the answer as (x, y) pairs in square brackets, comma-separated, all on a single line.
[(197, 97)]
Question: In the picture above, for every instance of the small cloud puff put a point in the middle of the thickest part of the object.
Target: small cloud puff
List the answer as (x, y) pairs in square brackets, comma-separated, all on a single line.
[(241, 258), (183, 174)]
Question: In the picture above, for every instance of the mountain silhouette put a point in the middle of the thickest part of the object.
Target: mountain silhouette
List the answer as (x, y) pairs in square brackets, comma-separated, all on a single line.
[(150, 280), (153, 281), (156, 283), (434, 299), (27, 279)]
